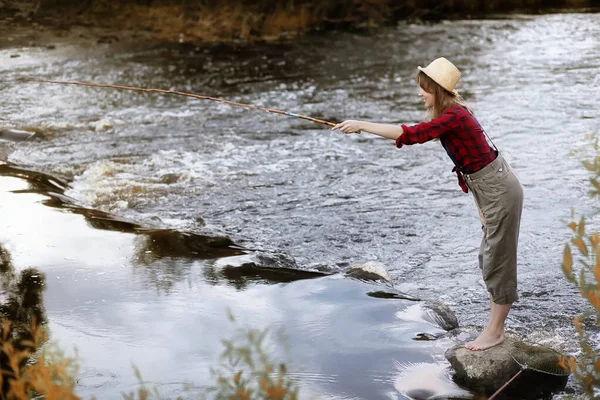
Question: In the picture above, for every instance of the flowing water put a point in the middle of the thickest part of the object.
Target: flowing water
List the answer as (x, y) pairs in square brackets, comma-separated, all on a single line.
[(326, 199)]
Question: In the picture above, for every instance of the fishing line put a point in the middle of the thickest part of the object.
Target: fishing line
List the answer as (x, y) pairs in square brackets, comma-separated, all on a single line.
[(174, 92)]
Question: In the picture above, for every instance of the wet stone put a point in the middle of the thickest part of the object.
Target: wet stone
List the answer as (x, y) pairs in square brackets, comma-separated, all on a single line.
[(426, 337), (15, 135), (370, 271), (169, 178), (4, 151), (275, 260), (440, 314)]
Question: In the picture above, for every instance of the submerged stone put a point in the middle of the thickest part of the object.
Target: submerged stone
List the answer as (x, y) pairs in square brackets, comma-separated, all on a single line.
[(486, 371), (4, 151), (261, 266), (275, 260), (15, 135), (392, 293)]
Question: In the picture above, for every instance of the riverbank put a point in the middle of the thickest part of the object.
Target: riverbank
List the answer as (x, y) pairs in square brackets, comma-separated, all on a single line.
[(240, 21)]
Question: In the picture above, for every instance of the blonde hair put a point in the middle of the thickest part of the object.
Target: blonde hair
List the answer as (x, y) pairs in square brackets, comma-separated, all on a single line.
[(443, 99)]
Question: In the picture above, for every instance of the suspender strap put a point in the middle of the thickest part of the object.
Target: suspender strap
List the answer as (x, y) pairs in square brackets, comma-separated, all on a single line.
[(457, 168), (457, 165), (484, 132)]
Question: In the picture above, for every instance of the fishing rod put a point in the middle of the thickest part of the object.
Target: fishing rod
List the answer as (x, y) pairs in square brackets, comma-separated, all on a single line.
[(174, 92)]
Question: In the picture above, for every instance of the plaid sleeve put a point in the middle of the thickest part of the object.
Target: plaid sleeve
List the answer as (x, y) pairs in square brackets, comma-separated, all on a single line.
[(427, 131)]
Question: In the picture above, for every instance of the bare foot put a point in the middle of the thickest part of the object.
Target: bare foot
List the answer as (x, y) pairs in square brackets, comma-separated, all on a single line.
[(485, 341)]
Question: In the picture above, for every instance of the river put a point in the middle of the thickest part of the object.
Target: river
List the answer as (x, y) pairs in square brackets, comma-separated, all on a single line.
[(276, 183)]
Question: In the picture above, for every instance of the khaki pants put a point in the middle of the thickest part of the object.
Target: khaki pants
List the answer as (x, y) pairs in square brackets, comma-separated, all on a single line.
[(499, 198)]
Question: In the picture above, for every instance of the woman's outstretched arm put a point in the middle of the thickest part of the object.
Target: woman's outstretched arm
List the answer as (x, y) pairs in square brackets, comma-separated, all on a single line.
[(384, 130)]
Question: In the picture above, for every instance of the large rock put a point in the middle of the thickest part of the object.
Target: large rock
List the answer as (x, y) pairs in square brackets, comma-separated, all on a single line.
[(486, 371), (370, 271)]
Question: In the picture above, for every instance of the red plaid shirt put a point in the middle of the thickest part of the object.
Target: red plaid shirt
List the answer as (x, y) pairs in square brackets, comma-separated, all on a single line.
[(460, 134)]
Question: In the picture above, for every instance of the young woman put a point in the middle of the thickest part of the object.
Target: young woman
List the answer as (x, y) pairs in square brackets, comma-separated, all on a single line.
[(481, 170)]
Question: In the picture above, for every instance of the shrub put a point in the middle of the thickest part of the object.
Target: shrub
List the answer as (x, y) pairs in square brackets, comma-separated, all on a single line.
[(585, 366)]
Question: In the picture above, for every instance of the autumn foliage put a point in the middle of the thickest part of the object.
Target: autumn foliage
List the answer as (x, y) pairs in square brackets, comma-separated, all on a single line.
[(27, 373), (586, 365), (33, 369), (248, 373)]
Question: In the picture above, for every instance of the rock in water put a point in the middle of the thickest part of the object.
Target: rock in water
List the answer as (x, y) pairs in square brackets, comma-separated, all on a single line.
[(4, 151), (440, 314), (9, 136), (275, 260), (486, 371), (370, 271), (14, 135)]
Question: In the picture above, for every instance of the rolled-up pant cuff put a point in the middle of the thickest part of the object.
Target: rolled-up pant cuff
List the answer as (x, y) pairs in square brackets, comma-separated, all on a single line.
[(505, 298)]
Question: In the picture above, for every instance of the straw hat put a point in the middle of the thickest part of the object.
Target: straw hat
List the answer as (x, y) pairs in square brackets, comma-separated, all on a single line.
[(443, 72)]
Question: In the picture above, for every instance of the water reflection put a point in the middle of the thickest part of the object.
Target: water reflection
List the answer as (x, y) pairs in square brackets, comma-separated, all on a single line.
[(158, 242), (22, 307), (22, 301)]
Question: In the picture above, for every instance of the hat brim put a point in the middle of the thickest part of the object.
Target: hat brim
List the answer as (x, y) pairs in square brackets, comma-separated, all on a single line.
[(454, 92)]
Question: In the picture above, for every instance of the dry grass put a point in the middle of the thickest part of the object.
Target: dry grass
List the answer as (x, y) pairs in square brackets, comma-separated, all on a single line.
[(245, 20), (229, 22)]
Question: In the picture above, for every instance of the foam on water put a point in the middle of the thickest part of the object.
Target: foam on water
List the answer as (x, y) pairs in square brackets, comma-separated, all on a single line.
[(422, 381)]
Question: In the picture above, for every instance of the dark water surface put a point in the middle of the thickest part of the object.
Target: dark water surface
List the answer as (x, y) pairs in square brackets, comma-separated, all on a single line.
[(282, 184)]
